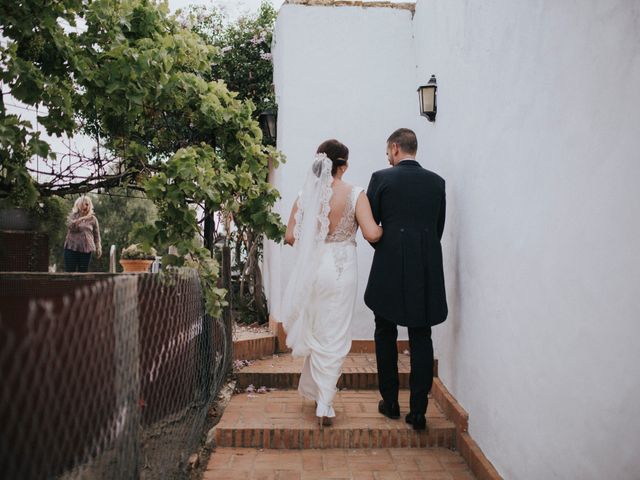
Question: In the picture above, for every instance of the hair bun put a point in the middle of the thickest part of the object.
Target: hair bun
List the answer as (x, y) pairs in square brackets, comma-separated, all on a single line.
[(336, 151)]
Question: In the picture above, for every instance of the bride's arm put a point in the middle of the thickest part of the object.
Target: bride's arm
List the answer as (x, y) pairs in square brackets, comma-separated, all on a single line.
[(370, 229), (288, 236)]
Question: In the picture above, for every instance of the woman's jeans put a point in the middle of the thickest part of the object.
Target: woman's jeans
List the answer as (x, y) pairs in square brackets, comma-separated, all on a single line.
[(76, 261)]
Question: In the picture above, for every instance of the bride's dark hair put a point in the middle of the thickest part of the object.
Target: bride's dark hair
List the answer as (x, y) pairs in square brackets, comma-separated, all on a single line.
[(337, 152)]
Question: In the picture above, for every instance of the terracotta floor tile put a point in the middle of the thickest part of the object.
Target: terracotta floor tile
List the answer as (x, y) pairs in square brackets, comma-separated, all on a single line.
[(406, 464), (325, 475), (363, 476), (288, 475), (296, 449), (352, 464), (312, 464), (425, 476), (462, 475), (262, 475), (388, 476), (289, 406), (429, 464), (282, 371), (354, 363)]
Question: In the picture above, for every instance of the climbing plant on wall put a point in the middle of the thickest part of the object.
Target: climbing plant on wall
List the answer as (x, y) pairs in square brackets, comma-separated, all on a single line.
[(127, 74), (243, 61)]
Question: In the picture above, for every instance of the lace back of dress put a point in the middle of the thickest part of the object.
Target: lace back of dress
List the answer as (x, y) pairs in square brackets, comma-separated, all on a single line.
[(347, 227)]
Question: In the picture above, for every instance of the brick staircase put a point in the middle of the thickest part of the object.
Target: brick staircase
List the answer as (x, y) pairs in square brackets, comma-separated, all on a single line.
[(275, 435), (283, 371)]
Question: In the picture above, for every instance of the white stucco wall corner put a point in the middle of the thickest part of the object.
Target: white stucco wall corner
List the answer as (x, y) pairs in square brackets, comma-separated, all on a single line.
[(543, 214), (327, 88)]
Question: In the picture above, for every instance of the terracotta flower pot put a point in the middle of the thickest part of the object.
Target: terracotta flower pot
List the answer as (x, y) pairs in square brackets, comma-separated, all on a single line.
[(135, 265)]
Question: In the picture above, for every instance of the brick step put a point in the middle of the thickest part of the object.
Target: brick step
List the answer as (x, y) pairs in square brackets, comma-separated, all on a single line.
[(283, 372), (284, 420), (362, 464), (251, 346)]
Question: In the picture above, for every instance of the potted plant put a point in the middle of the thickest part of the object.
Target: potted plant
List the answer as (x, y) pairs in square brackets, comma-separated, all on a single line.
[(135, 259)]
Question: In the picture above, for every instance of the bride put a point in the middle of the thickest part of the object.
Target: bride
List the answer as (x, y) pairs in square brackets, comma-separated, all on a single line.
[(320, 296)]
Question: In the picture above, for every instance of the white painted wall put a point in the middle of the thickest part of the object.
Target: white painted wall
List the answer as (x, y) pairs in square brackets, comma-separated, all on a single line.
[(344, 73), (538, 136)]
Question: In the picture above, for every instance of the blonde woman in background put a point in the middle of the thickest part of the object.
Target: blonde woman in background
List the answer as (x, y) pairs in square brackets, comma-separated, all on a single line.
[(83, 236)]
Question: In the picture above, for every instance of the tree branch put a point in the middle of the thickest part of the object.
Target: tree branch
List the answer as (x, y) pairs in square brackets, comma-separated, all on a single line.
[(92, 183)]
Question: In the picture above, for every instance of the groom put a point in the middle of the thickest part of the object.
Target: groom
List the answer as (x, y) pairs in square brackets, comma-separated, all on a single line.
[(406, 283)]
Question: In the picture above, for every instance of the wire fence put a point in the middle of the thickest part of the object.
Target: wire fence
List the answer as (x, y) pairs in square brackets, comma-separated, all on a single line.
[(106, 376)]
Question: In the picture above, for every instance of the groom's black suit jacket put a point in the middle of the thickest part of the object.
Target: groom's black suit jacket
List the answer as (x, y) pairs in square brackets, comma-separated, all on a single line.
[(406, 283)]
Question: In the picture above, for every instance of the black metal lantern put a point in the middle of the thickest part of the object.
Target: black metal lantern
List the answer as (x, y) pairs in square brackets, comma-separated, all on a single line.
[(427, 97), (268, 121)]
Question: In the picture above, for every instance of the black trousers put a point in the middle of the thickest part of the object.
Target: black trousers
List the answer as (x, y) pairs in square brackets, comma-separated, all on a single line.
[(76, 261), (421, 376)]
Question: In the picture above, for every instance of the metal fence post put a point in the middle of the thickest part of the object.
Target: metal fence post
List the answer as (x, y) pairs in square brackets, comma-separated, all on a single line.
[(112, 259), (226, 312)]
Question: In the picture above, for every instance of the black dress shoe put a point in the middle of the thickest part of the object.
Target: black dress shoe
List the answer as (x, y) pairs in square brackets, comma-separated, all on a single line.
[(417, 421), (389, 410)]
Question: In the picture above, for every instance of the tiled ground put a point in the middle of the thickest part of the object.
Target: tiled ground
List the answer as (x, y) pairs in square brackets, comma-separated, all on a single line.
[(355, 362), (375, 464), (283, 419), (287, 408), (275, 435), (283, 371)]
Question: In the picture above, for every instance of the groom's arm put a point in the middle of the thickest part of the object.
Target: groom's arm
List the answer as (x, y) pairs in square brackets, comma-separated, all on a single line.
[(443, 213), (373, 193)]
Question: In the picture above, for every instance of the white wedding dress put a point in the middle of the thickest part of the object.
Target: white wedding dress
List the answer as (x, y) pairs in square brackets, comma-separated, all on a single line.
[(321, 294)]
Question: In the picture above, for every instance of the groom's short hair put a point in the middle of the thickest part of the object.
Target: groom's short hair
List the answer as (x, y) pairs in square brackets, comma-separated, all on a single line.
[(405, 139)]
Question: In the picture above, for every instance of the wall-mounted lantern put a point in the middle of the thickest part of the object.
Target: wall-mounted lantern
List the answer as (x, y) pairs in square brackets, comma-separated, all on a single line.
[(268, 121), (427, 97)]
